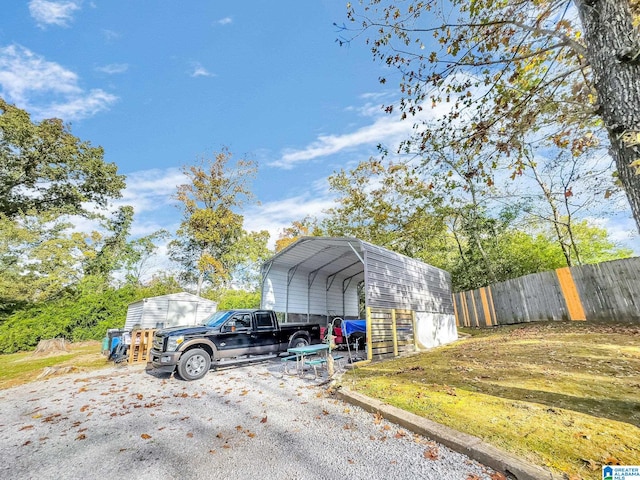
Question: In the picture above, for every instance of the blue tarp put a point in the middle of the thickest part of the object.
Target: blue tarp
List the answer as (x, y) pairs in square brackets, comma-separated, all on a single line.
[(350, 326)]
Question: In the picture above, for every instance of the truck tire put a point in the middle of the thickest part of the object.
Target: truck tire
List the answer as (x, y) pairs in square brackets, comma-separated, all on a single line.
[(194, 364), (299, 341)]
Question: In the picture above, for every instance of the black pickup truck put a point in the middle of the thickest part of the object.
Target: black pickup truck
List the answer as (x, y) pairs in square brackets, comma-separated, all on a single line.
[(227, 335)]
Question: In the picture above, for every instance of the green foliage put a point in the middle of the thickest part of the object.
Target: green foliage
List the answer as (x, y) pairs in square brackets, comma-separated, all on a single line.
[(83, 313), (246, 257), (595, 246), (211, 227), (504, 253), (39, 257), (46, 168), (508, 77), (449, 225), (391, 206), (230, 299)]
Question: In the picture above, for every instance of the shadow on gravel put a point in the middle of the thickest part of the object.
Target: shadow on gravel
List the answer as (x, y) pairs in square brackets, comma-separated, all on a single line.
[(157, 374)]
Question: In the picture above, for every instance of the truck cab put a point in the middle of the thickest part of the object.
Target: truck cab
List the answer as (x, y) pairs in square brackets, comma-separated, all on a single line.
[(242, 335)]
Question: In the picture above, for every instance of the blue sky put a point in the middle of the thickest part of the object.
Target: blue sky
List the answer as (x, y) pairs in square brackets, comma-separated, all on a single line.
[(159, 83)]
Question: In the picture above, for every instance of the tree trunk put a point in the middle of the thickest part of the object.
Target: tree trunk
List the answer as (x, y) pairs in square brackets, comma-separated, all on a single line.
[(613, 51), (557, 220)]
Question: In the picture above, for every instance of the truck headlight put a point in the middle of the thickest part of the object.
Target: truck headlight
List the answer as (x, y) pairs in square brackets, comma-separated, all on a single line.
[(174, 342)]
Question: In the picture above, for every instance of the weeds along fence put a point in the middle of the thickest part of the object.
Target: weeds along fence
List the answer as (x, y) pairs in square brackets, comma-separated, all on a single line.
[(602, 292)]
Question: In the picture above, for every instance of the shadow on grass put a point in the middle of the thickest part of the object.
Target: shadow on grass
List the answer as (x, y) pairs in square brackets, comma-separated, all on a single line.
[(627, 411)]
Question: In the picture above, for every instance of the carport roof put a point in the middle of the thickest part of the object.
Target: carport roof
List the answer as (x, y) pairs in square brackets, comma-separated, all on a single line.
[(321, 255)]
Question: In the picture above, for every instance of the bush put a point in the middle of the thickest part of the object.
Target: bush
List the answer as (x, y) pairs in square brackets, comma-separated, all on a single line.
[(85, 315)]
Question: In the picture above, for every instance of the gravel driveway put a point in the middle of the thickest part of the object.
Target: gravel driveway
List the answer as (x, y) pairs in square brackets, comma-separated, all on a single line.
[(239, 423)]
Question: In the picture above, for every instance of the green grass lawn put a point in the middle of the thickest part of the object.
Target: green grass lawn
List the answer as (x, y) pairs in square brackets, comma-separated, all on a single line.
[(24, 367), (562, 395)]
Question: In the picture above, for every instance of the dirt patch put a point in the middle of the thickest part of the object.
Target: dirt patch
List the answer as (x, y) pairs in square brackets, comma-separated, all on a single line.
[(54, 346)]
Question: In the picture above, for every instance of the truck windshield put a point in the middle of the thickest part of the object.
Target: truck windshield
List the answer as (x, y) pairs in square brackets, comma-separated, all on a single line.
[(217, 319)]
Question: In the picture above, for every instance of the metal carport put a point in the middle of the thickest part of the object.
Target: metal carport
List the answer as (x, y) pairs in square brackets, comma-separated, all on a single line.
[(407, 303)]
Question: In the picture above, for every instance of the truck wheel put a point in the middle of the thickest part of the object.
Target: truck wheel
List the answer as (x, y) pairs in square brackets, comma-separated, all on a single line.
[(298, 342), (194, 364)]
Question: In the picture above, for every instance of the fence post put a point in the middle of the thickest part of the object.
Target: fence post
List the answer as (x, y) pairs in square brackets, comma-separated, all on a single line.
[(394, 329), (570, 294), (369, 336)]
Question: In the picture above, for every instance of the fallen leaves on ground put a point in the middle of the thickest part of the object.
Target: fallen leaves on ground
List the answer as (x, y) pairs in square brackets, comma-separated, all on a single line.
[(432, 453), (591, 464)]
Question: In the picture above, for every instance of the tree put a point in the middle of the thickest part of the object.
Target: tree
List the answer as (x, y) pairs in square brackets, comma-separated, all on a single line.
[(502, 69), (230, 299), (569, 187), (211, 226), (245, 258), (43, 167), (109, 251), (392, 206), (39, 257), (139, 253), (306, 227)]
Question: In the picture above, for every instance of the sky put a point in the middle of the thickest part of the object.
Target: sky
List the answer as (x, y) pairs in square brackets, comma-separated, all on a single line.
[(159, 84)]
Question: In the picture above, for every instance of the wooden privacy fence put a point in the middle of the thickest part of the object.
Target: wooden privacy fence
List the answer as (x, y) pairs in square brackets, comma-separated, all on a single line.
[(600, 292), (141, 343), (390, 332)]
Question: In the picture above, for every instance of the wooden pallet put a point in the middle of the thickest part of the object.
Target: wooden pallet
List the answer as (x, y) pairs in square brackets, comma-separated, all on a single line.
[(141, 343)]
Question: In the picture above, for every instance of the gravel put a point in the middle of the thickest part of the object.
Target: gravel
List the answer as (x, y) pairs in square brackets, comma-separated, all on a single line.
[(243, 423)]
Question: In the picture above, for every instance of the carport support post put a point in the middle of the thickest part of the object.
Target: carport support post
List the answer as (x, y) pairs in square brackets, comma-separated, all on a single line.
[(369, 336), (394, 327)]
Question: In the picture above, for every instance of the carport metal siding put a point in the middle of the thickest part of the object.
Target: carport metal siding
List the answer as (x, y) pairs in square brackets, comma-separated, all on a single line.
[(395, 281), (322, 297)]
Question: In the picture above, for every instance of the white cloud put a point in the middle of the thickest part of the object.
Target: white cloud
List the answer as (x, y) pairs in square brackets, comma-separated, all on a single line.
[(113, 68), (110, 35), (151, 190), (50, 12), (278, 215), (225, 21), (46, 89), (621, 229), (384, 130), (200, 71)]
